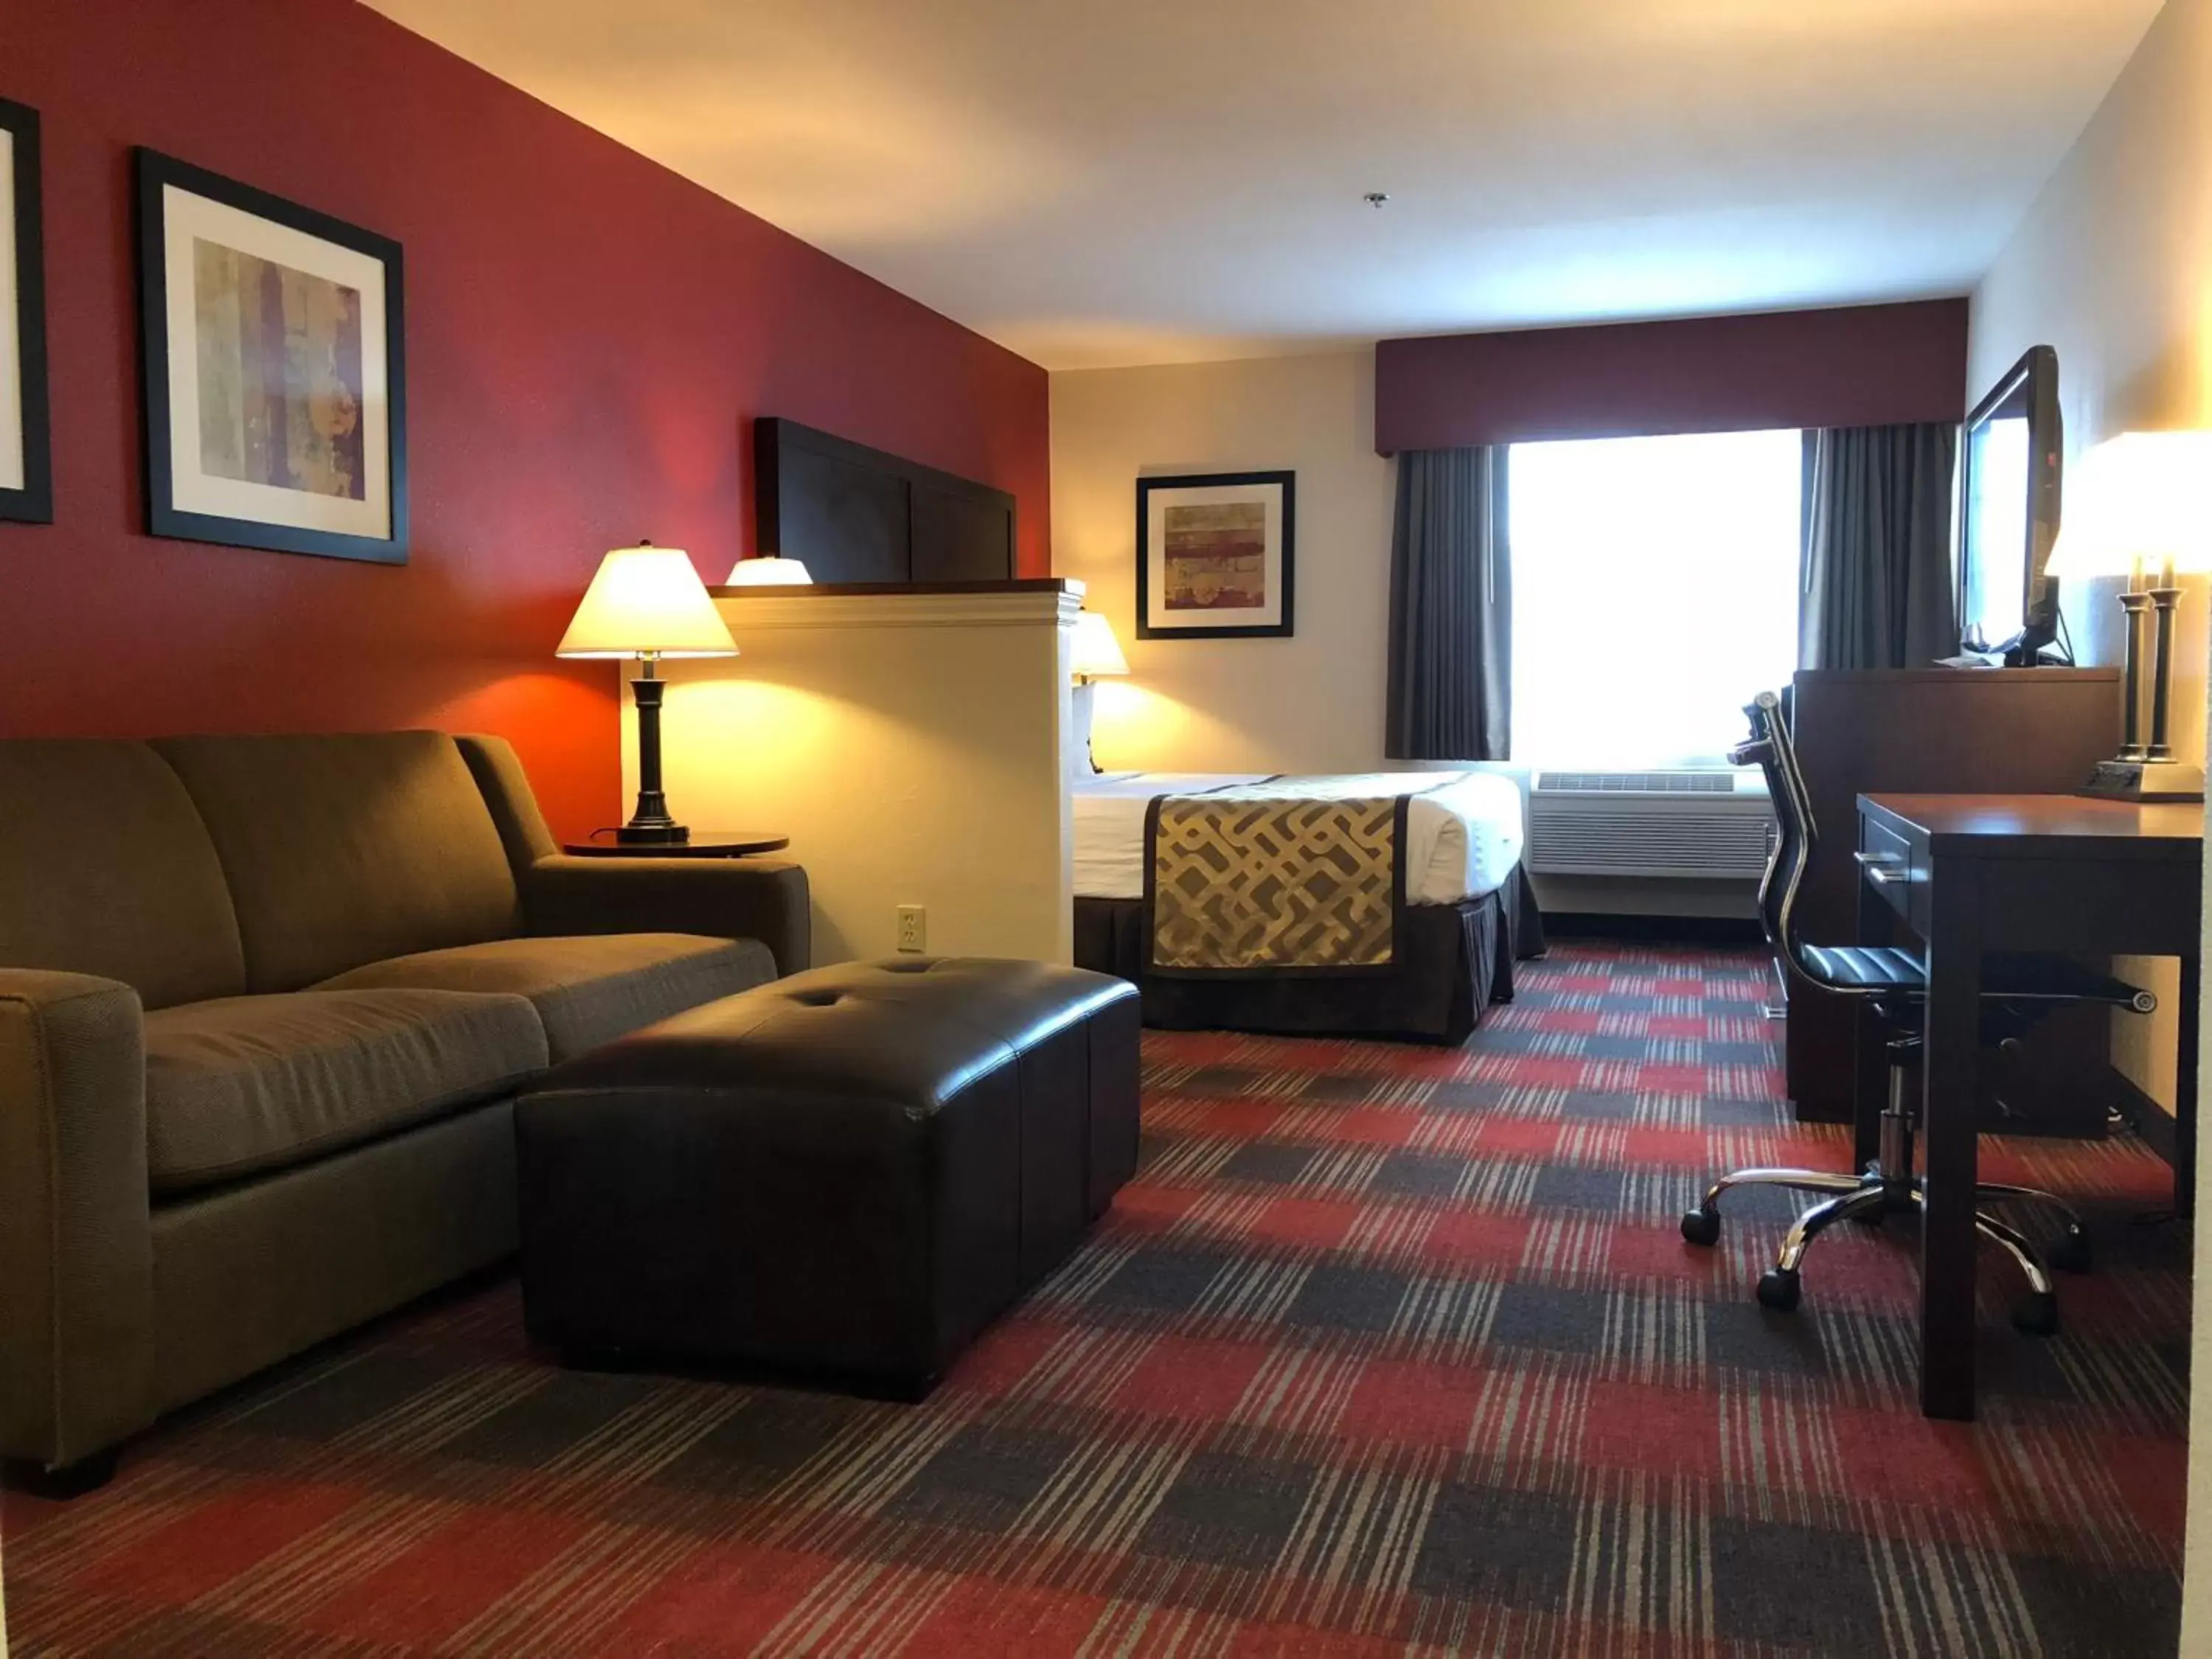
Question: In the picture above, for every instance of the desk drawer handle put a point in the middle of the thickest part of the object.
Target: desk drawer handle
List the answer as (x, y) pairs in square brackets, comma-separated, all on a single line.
[(1882, 871)]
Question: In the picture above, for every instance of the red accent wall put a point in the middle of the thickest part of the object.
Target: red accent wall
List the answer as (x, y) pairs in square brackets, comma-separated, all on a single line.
[(589, 336), (1849, 365)]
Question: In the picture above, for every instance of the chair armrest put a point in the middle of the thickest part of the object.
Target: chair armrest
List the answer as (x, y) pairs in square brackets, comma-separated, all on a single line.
[(76, 1247), (765, 899)]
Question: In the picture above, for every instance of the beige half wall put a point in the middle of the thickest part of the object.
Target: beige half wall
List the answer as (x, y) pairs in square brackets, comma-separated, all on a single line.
[(914, 745)]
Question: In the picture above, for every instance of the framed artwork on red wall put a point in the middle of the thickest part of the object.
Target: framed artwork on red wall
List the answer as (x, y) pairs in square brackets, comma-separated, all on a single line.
[(274, 370), (27, 491)]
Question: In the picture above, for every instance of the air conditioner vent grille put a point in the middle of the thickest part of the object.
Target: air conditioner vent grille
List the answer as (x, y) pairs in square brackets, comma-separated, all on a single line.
[(1572, 836), (1641, 783)]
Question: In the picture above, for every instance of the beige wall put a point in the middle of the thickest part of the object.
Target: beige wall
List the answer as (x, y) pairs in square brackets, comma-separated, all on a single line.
[(2114, 267), (913, 747), (1311, 703)]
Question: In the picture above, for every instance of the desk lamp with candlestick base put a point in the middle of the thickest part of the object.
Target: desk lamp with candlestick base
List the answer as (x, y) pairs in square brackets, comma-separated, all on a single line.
[(2140, 505), (648, 603)]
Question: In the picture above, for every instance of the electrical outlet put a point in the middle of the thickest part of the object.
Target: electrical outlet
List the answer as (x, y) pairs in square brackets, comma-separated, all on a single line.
[(913, 927)]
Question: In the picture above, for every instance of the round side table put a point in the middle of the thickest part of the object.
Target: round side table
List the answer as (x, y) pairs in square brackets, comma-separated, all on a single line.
[(703, 844)]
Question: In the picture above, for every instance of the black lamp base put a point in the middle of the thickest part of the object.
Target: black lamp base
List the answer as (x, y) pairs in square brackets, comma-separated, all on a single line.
[(649, 823), (2146, 780)]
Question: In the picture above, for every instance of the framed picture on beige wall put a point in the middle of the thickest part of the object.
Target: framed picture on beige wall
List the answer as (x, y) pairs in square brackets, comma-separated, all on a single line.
[(1214, 555), (274, 370), (27, 493)]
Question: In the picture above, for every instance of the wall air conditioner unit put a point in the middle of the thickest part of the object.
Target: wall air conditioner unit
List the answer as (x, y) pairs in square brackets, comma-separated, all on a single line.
[(1713, 825)]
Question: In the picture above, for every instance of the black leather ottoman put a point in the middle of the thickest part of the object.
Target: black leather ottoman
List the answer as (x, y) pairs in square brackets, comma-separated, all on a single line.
[(849, 1172)]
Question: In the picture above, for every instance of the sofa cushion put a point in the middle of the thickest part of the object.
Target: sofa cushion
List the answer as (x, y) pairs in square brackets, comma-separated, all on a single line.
[(344, 850), (588, 989), (106, 869), (243, 1084)]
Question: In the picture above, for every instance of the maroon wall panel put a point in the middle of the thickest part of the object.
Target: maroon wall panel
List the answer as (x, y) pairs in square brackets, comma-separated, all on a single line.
[(1855, 366), (589, 337)]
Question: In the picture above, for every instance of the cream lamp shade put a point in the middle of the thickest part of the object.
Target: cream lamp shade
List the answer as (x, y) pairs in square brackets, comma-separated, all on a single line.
[(1098, 653), (2140, 500), (648, 601), (769, 570), (2143, 499)]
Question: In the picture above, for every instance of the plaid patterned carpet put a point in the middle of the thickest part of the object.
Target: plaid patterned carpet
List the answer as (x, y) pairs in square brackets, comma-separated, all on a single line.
[(1389, 1350)]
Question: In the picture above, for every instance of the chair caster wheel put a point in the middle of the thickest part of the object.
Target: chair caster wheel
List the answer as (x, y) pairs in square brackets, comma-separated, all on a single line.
[(1701, 1227), (2071, 1254), (1778, 1290), (2037, 1314)]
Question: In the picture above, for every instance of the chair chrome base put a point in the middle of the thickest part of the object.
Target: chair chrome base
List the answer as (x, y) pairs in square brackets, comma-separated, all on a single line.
[(1889, 1186)]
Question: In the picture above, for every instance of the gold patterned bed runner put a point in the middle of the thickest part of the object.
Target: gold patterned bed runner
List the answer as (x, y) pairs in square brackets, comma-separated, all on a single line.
[(1297, 874)]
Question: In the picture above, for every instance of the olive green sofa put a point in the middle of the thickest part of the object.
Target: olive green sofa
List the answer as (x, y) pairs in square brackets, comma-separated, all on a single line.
[(264, 1003)]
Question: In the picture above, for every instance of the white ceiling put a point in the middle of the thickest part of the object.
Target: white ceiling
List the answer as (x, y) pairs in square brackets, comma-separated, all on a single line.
[(1128, 181)]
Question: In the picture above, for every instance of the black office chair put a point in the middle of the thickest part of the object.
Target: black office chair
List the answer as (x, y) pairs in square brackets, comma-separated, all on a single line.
[(2018, 990)]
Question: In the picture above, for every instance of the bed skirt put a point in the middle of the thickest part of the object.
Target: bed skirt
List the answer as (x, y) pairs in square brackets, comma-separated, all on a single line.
[(1454, 960)]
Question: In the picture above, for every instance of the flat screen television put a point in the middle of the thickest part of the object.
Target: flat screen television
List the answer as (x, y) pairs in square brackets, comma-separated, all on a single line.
[(2008, 503)]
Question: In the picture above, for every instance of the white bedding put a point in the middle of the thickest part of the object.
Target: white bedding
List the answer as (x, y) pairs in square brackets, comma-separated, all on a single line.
[(1463, 837)]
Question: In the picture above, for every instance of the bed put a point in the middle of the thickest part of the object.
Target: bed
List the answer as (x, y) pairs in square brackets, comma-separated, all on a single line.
[(1446, 912)]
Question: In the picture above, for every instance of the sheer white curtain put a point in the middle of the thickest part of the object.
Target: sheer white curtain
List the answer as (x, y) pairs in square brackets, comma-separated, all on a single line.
[(1654, 592)]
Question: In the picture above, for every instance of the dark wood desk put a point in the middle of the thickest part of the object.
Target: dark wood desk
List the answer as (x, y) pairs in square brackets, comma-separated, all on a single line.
[(1880, 731), (1971, 874)]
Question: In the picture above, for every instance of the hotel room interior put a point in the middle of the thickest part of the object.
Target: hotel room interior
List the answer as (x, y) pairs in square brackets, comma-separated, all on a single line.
[(916, 827)]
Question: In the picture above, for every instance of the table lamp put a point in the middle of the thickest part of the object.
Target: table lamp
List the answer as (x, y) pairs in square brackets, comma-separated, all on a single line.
[(2140, 505), (647, 602), (1095, 655), (769, 570)]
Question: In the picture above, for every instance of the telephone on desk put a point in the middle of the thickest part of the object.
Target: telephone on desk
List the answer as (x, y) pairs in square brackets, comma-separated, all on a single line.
[(2023, 650)]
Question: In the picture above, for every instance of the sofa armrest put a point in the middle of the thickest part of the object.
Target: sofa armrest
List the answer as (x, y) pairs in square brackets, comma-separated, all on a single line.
[(76, 1248), (765, 899)]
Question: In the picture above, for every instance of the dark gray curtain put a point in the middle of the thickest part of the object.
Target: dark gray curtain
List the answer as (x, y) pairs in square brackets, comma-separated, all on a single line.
[(1876, 588), (1451, 609)]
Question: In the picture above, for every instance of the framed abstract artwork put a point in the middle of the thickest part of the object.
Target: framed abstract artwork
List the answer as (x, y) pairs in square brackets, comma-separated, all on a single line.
[(275, 370), (27, 489), (1214, 555)]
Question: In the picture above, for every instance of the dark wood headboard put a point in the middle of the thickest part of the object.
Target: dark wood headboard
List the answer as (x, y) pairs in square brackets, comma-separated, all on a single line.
[(856, 514)]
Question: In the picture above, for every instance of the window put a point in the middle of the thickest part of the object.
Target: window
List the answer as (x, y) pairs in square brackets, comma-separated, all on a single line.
[(1655, 593)]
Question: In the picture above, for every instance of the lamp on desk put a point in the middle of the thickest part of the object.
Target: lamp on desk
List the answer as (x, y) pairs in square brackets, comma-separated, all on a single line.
[(2140, 505), (647, 602)]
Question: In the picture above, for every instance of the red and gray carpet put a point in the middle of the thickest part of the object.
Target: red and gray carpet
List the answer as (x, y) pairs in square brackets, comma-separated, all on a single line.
[(1389, 1350)]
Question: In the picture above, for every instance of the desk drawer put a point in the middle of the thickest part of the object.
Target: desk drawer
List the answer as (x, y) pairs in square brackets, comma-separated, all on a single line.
[(1895, 869)]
